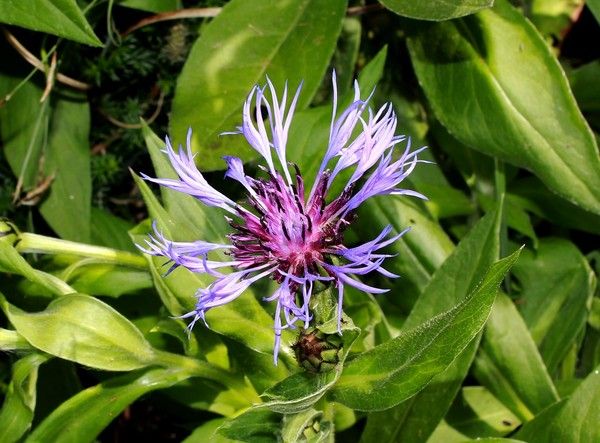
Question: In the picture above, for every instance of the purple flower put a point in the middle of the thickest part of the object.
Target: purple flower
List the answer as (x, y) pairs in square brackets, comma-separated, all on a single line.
[(282, 233)]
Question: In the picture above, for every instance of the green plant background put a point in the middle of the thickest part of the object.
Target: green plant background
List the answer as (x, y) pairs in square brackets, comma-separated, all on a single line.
[(491, 333)]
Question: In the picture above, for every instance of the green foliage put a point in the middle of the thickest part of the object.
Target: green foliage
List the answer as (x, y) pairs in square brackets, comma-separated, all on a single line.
[(492, 331), (59, 17), (286, 41)]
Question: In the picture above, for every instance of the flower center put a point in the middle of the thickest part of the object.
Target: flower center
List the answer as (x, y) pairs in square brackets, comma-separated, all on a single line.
[(285, 230)]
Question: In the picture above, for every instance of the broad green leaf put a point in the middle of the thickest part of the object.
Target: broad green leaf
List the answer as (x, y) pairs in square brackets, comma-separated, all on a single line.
[(16, 414), (399, 368), (58, 17), (529, 193), (509, 365), (289, 41), (436, 9), (50, 140), (151, 5), (475, 413), (417, 417), (67, 209), (12, 262), (557, 286), (82, 417), (96, 278), (85, 330), (574, 419), (493, 82)]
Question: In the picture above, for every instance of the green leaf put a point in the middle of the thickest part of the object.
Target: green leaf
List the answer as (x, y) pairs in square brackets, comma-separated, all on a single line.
[(493, 82), (419, 253), (58, 17), (89, 277), (557, 286), (111, 231), (291, 41), (67, 209), (399, 368), (254, 425), (50, 139), (414, 419), (529, 193), (575, 419), (594, 6), (510, 366), (82, 417), (436, 9), (151, 5), (475, 413), (208, 432), (23, 128), (16, 414), (84, 330)]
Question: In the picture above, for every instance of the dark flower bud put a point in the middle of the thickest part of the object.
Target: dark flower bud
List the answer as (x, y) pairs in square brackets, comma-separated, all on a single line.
[(316, 351)]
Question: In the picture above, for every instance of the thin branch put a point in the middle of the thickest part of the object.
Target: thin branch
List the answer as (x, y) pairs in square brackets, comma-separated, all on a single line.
[(37, 63), (174, 15), (120, 124), (50, 76), (213, 12)]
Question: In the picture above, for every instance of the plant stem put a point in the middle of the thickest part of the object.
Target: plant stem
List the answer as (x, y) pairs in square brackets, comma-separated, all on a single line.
[(200, 368), (34, 243)]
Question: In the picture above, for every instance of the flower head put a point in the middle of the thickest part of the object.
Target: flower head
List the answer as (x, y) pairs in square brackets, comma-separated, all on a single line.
[(287, 232)]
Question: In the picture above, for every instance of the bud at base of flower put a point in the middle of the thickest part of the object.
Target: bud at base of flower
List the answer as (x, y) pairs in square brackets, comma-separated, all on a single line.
[(316, 351)]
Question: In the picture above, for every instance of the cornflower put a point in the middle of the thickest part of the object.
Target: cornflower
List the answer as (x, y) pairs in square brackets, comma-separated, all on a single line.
[(281, 233)]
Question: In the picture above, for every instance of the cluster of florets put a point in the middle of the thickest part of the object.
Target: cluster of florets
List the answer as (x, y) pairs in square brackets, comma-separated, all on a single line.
[(294, 238)]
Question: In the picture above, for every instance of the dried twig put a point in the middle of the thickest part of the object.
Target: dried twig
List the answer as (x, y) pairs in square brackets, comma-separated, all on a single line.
[(37, 63), (174, 15), (50, 76), (213, 12), (33, 197), (120, 124)]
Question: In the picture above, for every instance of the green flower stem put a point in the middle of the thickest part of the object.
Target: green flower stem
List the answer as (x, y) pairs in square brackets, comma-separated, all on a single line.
[(34, 243), (200, 368), (13, 341)]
